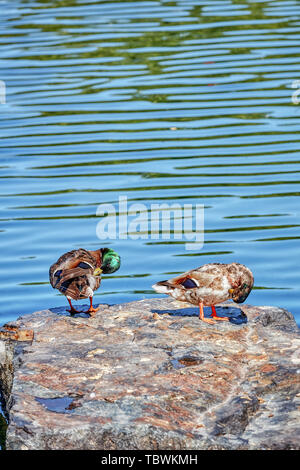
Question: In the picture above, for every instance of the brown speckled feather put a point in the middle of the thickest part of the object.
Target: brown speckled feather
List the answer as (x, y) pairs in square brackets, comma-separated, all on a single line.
[(72, 274)]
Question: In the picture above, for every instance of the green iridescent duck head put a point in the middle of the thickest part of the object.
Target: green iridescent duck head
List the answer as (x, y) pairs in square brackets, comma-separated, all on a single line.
[(111, 261)]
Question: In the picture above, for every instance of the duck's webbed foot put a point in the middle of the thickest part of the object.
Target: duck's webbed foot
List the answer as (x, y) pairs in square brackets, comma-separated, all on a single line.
[(201, 315), (72, 310), (92, 310), (215, 317)]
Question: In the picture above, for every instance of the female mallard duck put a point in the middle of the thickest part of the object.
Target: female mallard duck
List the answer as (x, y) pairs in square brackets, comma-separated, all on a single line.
[(77, 274), (209, 285)]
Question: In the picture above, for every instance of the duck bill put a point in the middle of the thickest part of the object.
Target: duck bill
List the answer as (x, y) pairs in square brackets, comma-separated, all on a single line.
[(97, 272)]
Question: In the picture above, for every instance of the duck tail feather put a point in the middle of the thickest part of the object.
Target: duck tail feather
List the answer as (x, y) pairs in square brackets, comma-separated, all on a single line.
[(163, 287)]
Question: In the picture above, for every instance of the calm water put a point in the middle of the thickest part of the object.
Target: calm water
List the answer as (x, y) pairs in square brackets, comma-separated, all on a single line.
[(163, 102)]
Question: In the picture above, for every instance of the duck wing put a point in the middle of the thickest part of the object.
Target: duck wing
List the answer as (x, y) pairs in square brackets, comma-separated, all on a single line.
[(193, 278)]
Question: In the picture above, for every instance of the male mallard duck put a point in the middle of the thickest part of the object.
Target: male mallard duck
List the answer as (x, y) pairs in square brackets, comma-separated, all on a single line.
[(77, 274), (209, 285)]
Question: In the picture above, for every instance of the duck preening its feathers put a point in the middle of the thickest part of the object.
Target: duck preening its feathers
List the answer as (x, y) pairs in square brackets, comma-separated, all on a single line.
[(77, 273), (208, 285)]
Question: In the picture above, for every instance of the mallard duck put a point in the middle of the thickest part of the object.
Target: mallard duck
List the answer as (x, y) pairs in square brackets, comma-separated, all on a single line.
[(77, 274), (209, 285)]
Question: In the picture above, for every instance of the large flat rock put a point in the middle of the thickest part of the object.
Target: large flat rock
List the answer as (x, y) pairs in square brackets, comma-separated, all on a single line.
[(150, 375)]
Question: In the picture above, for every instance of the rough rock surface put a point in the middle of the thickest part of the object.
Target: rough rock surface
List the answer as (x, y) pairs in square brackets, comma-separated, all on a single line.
[(150, 375)]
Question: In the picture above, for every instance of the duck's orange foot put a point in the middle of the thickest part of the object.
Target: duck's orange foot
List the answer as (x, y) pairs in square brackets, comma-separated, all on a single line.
[(215, 316), (73, 311), (208, 320), (221, 318), (201, 315), (92, 311)]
